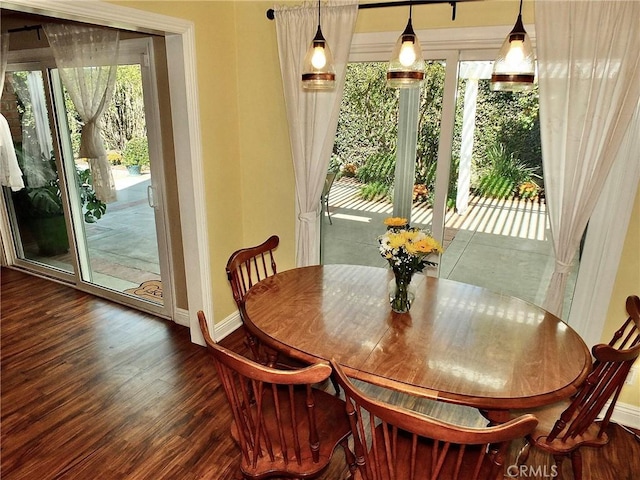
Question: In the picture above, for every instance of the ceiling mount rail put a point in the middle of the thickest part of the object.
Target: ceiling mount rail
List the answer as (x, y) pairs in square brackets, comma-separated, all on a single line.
[(26, 28), (271, 14)]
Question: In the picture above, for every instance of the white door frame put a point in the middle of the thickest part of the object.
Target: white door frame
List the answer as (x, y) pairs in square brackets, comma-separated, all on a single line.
[(181, 60)]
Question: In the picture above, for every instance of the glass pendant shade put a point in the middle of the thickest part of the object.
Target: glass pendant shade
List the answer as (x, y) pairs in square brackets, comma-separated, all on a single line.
[(406, 67), (514, 69), (318, 72)]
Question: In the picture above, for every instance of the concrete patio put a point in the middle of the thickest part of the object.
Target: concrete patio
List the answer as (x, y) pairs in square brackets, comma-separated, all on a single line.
[(500, 245)]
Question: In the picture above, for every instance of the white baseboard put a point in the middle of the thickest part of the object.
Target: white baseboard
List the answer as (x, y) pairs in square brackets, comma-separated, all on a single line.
[(625, 414), (181, 317), (227, 326)]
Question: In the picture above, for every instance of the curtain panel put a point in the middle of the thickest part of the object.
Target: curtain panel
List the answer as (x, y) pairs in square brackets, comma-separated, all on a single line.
[(312, 116), (605, 239), (588, 65), (10, 172), (87, 59)]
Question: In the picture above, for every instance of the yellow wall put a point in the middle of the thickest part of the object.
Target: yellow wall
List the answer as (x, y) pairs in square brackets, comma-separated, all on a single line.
[(247, 161), (246, 154), (627, 283)]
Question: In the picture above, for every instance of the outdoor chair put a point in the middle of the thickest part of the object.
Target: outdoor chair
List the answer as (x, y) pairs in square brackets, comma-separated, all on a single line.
[(567, 426), (393, 443), (283, 426), (328, 183)]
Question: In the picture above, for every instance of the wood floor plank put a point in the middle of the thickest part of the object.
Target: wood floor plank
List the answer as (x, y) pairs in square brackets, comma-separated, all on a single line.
[(93, 390)]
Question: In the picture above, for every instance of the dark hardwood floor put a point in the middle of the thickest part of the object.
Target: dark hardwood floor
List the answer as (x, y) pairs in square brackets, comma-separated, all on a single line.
[(93, 390)]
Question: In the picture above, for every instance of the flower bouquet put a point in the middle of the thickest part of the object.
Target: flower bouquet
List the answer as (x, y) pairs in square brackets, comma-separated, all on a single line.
[(407, 249)]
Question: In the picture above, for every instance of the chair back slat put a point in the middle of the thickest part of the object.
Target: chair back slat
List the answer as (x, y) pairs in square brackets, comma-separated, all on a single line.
[(392, 443), (630, 329), (283, 426), (248, 266), (611, 366)]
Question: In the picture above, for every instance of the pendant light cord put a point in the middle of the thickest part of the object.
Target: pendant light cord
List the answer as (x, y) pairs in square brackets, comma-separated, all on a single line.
[(319, 11), (520, 12)]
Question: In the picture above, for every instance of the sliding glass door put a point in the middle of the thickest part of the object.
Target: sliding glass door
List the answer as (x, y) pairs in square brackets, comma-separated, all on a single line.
[(59, 226), (465, 164)]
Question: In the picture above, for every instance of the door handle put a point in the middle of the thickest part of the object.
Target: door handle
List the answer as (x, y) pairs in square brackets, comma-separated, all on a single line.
[(150, 197)]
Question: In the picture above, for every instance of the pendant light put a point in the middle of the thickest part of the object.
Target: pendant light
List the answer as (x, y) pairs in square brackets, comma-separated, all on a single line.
[(514, 69), (406, 67), (318, 72)]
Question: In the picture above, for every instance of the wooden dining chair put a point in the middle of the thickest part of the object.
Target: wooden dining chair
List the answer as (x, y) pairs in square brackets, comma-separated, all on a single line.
[(245, 268), (393, 443), (567, 426), (283, 426)]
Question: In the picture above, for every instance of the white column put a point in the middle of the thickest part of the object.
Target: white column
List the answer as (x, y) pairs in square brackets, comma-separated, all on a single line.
[(466, 146), (406, 152)]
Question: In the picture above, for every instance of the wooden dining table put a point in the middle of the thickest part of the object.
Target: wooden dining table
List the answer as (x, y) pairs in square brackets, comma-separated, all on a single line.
[(459, 343)]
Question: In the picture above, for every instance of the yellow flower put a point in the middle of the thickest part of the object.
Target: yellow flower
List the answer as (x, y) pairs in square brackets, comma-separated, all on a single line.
[(395, 221), (397, 240), (428, 245)]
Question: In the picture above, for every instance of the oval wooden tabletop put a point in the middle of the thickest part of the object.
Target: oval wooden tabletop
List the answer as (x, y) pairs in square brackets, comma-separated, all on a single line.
[(459, 343)]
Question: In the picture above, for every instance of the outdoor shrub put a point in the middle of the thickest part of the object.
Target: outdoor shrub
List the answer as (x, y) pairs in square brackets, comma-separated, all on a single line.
[(529, 190), (378, 168), (503, 173), (420, 192), (136, 152), (349, 170), (375, 191), (115, 158)]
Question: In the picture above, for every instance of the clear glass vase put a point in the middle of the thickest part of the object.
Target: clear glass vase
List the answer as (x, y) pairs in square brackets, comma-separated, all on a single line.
[(401, 292)]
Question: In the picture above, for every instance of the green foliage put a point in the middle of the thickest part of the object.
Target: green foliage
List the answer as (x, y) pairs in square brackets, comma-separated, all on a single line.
[(136, 152), (124, 117), (503, 174), (378, 168), (367, 124), (367, 133), (45, 201), (510, 119), (93, 208), (429, 113), (375, 191)]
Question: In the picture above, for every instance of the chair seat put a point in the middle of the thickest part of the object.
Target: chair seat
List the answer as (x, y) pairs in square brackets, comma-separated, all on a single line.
[(332, 426), (426, 463)]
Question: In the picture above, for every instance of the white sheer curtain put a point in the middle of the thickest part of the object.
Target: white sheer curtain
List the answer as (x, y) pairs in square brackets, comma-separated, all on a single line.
[(4, 51), (87, 59), (607, 233), (312, 116), (589, 65), (37, 144), (10, 173)]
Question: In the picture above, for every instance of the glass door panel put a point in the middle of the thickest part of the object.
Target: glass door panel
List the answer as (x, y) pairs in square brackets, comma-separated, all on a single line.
[(496, 223), (379, 130), (118, 246), (118, 250), (364, 160), (428, 141), (36, 212)]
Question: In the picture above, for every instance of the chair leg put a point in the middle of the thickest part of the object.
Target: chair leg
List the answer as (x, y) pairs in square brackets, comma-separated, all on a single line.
[(334, 382), (558, 459), (326, 200), (523, 454), (253, 344), (349, 458), (576, 464)]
